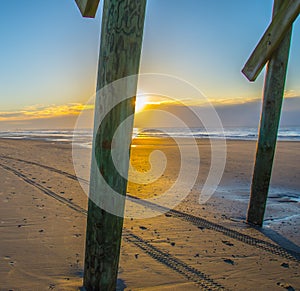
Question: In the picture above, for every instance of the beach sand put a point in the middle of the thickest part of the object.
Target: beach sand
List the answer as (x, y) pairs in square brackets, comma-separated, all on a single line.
[(194, 247)]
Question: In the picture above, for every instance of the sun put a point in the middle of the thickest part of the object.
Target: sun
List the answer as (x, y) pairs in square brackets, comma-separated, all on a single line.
[(140, 102)]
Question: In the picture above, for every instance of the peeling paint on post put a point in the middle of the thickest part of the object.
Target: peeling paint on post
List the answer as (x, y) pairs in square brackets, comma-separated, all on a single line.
[(120, 50), (270, 117)]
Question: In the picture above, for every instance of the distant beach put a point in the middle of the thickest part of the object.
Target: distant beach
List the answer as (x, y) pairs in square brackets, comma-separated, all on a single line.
[(194, 246)]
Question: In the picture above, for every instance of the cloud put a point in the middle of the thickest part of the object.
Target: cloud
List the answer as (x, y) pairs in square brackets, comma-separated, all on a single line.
[(233, 113), (10, 115), (244, 113), (40, 111), (291, 94)]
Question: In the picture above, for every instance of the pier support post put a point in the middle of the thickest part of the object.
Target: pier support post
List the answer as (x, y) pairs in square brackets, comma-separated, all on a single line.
[(120, 50), (270, 117)]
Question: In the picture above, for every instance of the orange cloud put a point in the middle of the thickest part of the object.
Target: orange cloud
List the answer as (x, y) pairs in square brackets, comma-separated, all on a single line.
[(39, 111)]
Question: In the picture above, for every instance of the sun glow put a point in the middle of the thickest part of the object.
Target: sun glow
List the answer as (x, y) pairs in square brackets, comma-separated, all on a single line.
[(140, 102)]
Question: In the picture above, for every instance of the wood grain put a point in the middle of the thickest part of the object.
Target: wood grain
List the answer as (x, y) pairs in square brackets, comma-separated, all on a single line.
[(88, 8), (120, 50), (270, 117), (272, 38)]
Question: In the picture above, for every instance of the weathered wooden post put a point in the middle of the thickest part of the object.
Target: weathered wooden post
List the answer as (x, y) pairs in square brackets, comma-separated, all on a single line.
[(88, 8), (278, 53), (120, 50)]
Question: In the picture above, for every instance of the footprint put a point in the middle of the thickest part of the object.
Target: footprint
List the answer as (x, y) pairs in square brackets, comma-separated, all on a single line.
[(228, 243), (229, 261)]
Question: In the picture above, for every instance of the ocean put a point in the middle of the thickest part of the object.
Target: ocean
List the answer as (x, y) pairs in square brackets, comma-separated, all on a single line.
[(84, 137)]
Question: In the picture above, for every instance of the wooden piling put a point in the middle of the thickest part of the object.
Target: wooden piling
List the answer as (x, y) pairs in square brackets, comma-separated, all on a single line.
[(120, 49), (270, 117)]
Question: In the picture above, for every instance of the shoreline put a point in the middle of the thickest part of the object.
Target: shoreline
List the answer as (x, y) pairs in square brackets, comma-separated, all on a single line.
[(285, 134)]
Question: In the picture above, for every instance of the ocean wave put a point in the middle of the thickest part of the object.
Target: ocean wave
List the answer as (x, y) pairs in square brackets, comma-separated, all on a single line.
[(84, 137)]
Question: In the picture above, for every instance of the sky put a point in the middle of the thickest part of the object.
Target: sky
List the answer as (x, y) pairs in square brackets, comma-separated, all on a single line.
[(49, 55)]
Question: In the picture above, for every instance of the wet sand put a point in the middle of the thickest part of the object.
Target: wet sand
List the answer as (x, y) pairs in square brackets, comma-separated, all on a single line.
[(195, 246)]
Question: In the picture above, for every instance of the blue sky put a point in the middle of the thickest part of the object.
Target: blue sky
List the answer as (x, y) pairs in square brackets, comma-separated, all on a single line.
[(49, 53)]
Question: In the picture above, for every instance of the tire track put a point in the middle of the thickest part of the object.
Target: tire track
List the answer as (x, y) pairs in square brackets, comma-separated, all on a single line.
[(258, 243), (203, 223), (197, 221), (190, 273), (46, 191), (66, 174)]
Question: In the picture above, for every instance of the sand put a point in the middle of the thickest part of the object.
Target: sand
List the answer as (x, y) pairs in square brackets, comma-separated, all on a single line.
[(193, 247)]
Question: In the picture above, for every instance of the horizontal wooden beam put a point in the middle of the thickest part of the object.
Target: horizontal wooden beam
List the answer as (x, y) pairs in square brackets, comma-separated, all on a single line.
[(272, 38), (88, 8)]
